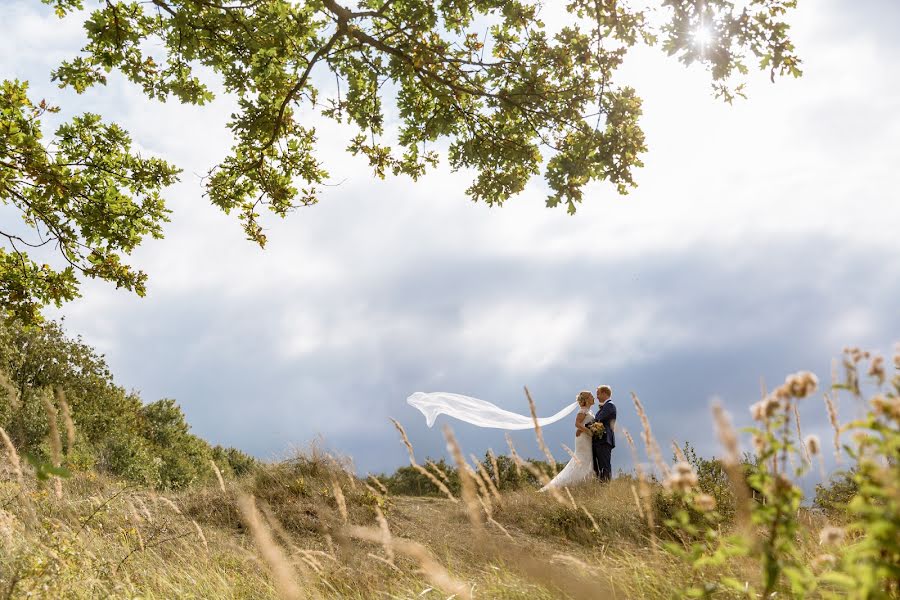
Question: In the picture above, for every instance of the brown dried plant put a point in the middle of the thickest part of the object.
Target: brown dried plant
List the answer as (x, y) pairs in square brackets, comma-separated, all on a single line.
[(466, 483), (285, 581), (412, 461), (538, 433)]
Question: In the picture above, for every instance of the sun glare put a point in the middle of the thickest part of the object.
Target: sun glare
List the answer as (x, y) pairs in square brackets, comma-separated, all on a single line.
[(703, 36)]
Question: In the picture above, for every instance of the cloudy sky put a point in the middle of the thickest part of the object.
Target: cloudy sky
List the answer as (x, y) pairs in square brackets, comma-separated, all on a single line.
[(762, 239)]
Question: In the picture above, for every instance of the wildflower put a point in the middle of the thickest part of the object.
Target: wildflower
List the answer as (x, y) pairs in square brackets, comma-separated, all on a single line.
[(888, 407), (764, 409), (705, 502), (831, 535), (813, 445), (801, 384), (876, 369), (682, 478)]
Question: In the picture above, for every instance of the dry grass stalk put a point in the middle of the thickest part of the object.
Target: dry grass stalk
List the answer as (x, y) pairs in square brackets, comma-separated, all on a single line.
[(285, 581), (378, 483), (637, 501), (55, 442), (482, 470), (218, 475), (800, 434), (440, 472), (643, 485), (412, 461), (386, 537), (385, 561), (650, 443), (67, 417), (142, 506), (467, 487), (571, 498), (433, 570), (13, 457), (494, 466), (169, 503), (200, 535), (835, 424), (339, 498), (679, 455), (732, 461), (537, 473), (538, 433)]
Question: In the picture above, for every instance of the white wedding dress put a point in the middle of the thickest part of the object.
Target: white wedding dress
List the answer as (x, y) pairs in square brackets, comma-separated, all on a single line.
[(580, 467)]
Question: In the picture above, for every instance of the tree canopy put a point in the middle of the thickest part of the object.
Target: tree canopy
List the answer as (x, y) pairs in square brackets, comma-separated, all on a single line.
[(508, 96)]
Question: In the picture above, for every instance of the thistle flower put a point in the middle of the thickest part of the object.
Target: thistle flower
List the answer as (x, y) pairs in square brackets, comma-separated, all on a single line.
[(682, 478), (705, 502), (765, 408), (802, 384), (876, 369), (888, 407), (831, 535), (813, 445)]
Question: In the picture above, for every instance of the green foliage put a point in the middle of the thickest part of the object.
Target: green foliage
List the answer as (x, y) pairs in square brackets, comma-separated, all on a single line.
[(85, 191), (834, 497), (115, 432), (511, 98), (408, 481)]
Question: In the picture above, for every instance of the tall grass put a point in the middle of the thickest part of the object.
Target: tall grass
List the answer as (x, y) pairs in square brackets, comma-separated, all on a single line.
[(303, 527)]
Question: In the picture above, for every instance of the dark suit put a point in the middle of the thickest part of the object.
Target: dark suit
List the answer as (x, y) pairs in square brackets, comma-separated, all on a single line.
[(603, 445)]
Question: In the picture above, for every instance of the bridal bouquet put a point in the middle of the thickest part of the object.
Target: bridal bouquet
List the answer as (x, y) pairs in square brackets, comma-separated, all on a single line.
[(597, 428)]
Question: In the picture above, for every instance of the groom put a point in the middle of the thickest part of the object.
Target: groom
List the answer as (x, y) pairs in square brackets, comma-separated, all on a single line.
[(604, 444)]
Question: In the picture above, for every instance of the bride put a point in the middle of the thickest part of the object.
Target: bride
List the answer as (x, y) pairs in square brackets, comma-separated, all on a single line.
[(484, 414), (580, 467)]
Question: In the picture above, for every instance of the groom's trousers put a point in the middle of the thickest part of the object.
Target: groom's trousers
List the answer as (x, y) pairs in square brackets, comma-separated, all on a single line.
[(603, 461)]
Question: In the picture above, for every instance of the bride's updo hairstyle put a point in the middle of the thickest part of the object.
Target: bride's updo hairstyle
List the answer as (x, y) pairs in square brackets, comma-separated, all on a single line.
[(585, 398)]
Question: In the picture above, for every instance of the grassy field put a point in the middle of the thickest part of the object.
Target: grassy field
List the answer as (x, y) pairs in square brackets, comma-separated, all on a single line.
[(308, 528)]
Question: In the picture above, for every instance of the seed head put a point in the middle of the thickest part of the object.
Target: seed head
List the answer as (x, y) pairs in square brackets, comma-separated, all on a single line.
[(801, 384), (876, 369), (888, 407), (813, 445)]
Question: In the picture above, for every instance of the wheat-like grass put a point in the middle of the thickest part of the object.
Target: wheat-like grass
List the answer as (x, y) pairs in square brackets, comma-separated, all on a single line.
[(60, 395), (571, 454), (440, 472), (494, 466), (340, 500), (653, 451), (200, 535), (13, 457), (218, 473), (644, 485), (378, 483), (169, 503), (412, 461), (386, 537), (434, 571), (538, 433), (55, 442), (487, 479), (467, 486), (537, 473), (800, 434), (835, 425), (285, 581), (732, 461), (679, 454)]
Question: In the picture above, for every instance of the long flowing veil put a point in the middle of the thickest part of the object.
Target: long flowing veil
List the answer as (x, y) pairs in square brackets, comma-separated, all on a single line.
[(477, 412)]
